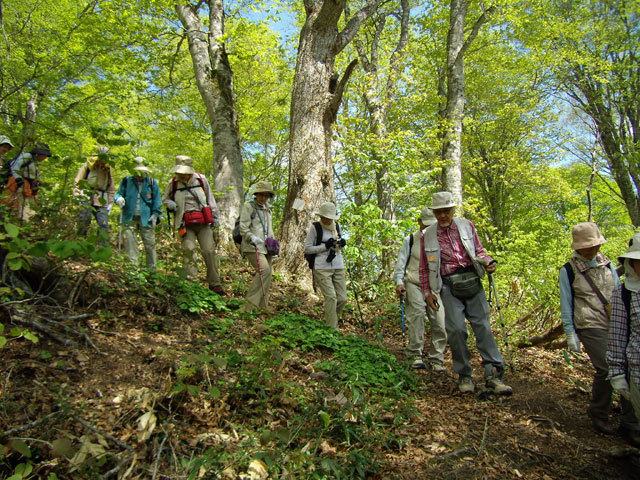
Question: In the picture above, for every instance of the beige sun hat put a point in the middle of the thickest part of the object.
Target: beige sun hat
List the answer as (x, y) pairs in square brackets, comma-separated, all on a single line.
[(264, 187), (328, 210), (103, 151), (442, 200), (4, 139), (633, 251), (141, 167), (586, 235), (426, 216), (184, 164)]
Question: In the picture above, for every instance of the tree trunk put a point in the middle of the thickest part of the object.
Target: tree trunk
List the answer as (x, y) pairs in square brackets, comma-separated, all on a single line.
[(315, 99), (215, 83)]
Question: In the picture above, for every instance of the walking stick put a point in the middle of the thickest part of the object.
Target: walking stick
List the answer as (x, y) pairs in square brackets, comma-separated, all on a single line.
[(119, 231), (494, 290), (260, 275), (402, 316)]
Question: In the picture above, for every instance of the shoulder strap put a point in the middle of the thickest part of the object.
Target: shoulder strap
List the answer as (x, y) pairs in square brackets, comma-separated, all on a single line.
[(409, 254), (571, 275), (626, 300), (338, 230), (595, 289), (318, 232)]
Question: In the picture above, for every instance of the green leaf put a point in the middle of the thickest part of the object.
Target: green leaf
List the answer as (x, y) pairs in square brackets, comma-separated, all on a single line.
[(62, 447), (21, 447), (15, 332), (193, 390), (220, 362), (178, 387), (30, 336), (326, 419), (24, 469), (12, 230), (3, 341), (1, 327), (15, 264), (214, 392), (39, 249), (101, 254)]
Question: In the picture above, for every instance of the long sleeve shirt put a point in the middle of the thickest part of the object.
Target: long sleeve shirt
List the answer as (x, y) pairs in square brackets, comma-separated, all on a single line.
[(623, 348)]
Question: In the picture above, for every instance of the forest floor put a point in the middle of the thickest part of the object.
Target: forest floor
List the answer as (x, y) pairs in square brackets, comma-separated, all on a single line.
[(55, 396)]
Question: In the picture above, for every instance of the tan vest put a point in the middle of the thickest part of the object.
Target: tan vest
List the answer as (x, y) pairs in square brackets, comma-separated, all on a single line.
[(588, 310), (413, 268)]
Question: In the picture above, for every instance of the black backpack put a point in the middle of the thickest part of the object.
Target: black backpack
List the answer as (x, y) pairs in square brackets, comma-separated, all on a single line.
[(237, 236), (6, 170), (311, 257)]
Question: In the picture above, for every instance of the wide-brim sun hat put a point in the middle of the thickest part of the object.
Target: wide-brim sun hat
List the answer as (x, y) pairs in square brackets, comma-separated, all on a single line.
[(586, 235), (426, 216), (5, 140), (442, 200), (328, 210), (102, 150), (184, 164), (141, 167), (264, 186), (633, 252), (41, 149)]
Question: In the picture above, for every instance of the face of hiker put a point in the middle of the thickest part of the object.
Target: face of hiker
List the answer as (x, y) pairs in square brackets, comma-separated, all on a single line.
[(4, 148), (589, 253), (184, 177), (262, 198), (444, 216), (325, 221)]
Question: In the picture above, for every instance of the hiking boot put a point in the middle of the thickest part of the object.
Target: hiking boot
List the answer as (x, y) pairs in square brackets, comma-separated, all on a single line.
[(465, 385), (631, 435), (437, 367), (418, 364), (217, 289), (496, 385), (602, 425)]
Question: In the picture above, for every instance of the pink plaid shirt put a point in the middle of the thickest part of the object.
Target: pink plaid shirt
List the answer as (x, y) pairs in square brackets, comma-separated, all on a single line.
[(453, 256)]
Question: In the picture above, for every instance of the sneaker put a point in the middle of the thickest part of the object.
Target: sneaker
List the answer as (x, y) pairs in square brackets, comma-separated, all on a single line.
[(418, 364), (438, 367), (465, 385), (496, 385)]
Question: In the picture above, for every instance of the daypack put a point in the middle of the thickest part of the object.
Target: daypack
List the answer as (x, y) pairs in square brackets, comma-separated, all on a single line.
[(6, 170), (237, 236), (311, 257), (174, 186)]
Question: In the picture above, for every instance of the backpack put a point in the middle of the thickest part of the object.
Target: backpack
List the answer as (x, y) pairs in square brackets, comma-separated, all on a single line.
[(311, 257), (237, 236), (409, 255), (6, 170), (174, 186)]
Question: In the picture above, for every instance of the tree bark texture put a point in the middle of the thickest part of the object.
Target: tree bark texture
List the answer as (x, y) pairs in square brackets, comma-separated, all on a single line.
[(315, 99), (214, 78)]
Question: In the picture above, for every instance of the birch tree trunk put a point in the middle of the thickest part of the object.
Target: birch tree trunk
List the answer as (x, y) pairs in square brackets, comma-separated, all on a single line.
[(456, 84), (315, 99), (214, 78), (377, 96)]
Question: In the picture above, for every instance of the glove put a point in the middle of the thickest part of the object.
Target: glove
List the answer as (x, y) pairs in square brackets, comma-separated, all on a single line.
[(573, 342), (109, 207), (171, 205), (120, 202), (216, 223), (256, 240), (329, 243), (153, 220), (621, 386), (342, 242)]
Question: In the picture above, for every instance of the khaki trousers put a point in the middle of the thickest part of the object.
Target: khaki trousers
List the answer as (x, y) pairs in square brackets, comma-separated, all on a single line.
[(255, 295), (415, 306), (204, 235), (333, 285), (148, 235)]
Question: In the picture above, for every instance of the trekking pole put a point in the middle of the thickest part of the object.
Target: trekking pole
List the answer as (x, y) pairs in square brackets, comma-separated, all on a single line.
[(494, 290), (260, 275), (402, 316), (119, 231), (355, 292)]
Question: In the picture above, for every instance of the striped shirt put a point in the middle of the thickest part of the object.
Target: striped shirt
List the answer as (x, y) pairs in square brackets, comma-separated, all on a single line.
[(623, 349), (453, 256)]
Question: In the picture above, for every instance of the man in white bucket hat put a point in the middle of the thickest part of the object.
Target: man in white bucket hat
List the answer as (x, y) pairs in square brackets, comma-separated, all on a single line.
[(623, 350), (5, 146), (323, 244), (138, 197), (189, 196), (587, 282), (407, 280), (454, 263)]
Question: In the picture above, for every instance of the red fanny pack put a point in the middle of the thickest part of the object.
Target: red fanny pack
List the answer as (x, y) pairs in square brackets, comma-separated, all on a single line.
[(207, 214), (193, 218)]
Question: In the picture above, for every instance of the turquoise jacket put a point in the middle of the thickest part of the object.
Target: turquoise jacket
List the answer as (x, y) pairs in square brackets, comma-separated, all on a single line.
[(149, 195)]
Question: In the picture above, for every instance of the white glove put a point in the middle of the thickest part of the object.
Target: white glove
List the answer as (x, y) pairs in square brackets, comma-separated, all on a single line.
[(255, 240), (621, 386), (573, 342), (171, 205), (153, 220), (109, 207), (120, 202)]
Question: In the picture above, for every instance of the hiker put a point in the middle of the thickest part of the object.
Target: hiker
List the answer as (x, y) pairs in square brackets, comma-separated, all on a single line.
[(454, 263), (256, 228), (189, 196), (138, 197), (5, 146), (98, 200), (23, 184), (623, 350), (587, 281), (407, 280), (325, 242)]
